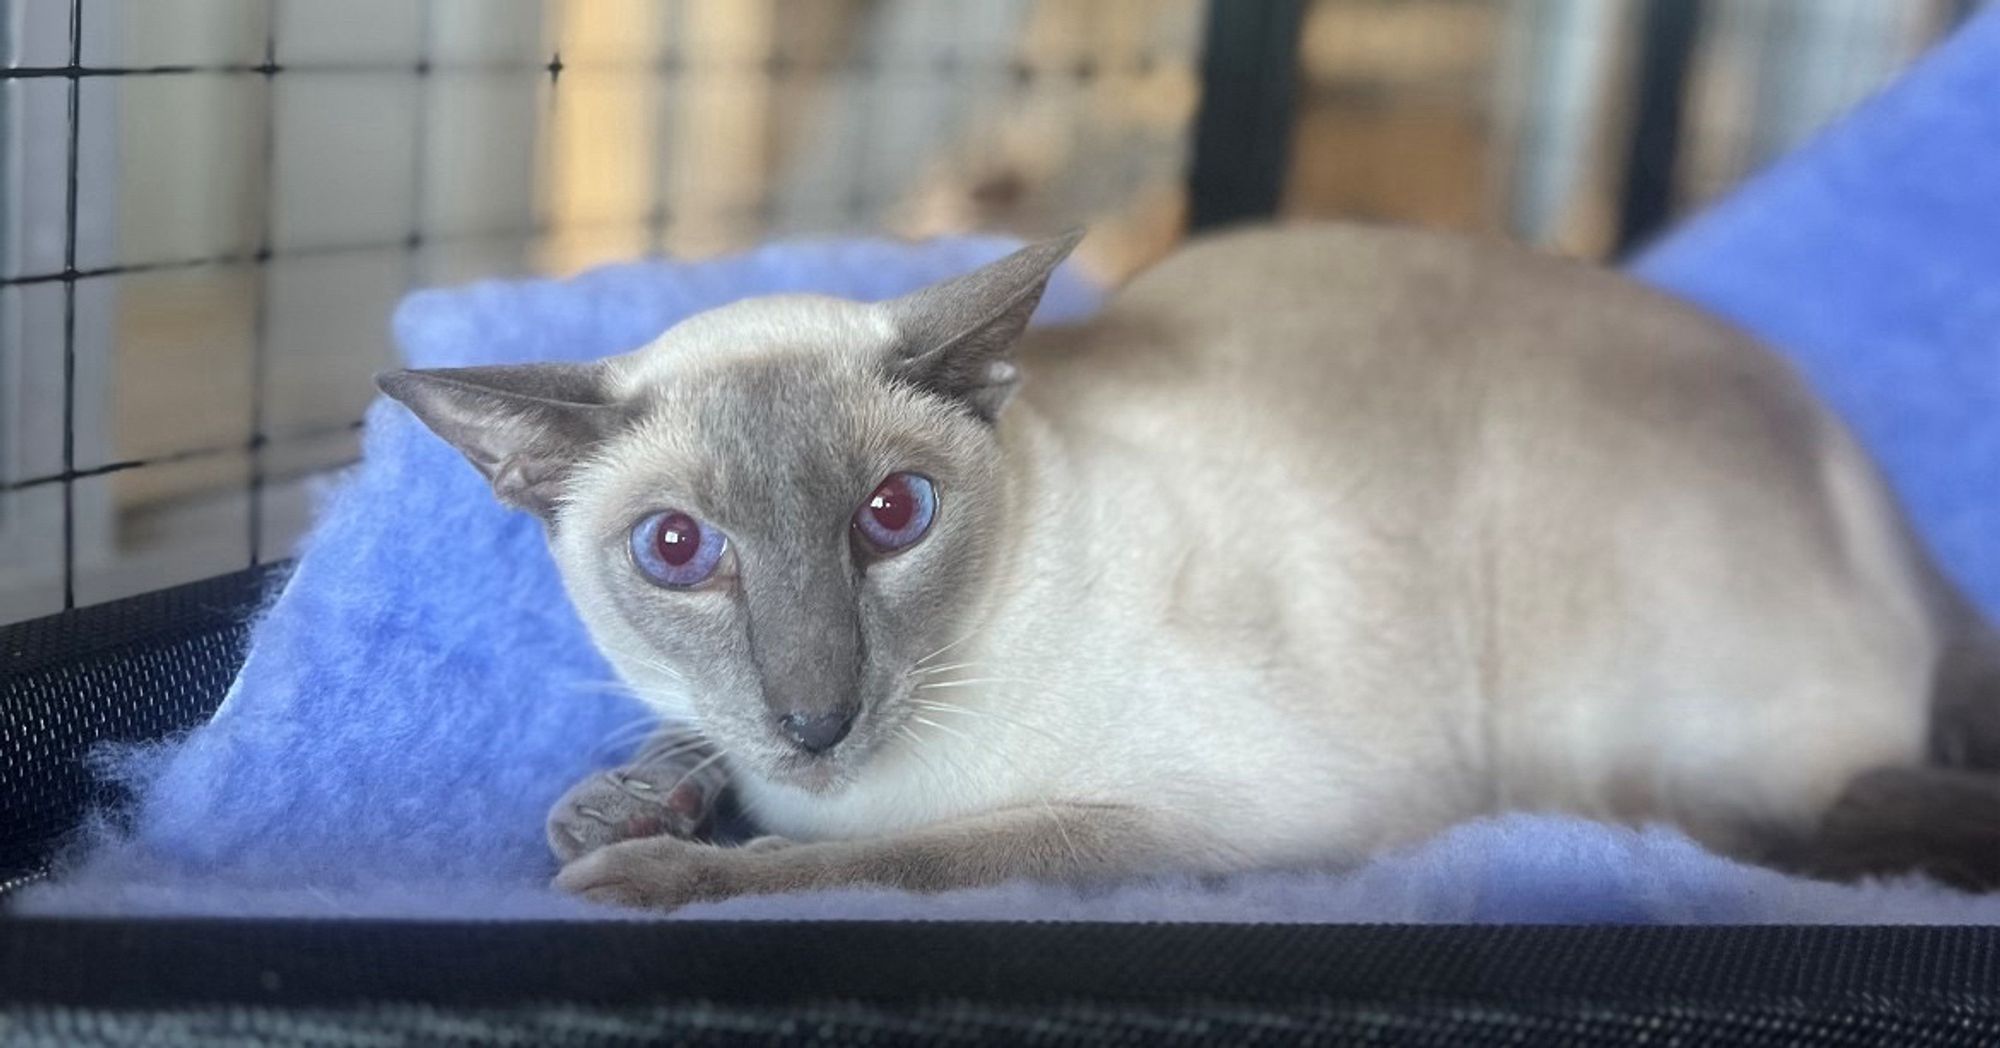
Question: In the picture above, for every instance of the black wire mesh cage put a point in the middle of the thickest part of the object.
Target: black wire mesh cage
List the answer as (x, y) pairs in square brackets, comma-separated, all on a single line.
[(213, 205), (210, 207), (218, 204)]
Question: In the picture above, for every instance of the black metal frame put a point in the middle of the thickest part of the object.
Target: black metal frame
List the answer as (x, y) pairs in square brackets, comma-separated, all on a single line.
[(1668, 33), (1250, 84), (1243, 133)]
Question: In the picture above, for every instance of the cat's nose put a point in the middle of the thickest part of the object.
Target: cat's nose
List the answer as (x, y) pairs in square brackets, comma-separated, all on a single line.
[(817, 732)]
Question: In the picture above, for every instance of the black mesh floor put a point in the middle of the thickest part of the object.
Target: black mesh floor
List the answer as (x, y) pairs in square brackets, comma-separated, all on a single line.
[(129, 671), (353, 982)]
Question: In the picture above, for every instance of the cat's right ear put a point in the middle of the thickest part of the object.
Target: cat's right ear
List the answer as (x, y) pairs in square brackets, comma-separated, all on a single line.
[(524, 426)]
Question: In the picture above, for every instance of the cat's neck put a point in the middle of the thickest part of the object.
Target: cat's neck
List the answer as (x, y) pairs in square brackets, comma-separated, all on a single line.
[(1035, 475)]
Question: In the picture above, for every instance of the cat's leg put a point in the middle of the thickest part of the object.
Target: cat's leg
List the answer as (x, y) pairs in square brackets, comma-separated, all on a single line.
[(1057, 842), (674, 787), (1936, 821)]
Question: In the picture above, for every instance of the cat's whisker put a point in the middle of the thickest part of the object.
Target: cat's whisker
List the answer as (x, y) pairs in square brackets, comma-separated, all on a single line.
[(674, 679), (647, 661), (916, 751), (946, 707), (617, 688), (623, 738), (670, 732), (927, 671), (970, 681), (1061, 831), (945, 774), (667, 753), (968, 636), (666, 672), (694, 771), (642, 721), (671, 742), (591, 683), (628, 732), (1075, 854), (1000, 691), (662, 740), (948, 730), (631, 689), (611, 750)]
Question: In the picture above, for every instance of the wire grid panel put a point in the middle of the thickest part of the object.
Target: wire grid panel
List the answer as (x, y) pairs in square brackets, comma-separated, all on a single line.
[(212, 205)]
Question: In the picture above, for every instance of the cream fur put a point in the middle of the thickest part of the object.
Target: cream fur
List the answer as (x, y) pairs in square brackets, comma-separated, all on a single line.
[(1321, 540)]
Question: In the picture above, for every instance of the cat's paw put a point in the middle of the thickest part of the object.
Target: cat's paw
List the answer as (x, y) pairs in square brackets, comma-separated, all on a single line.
[(668, 797), (659, 873)]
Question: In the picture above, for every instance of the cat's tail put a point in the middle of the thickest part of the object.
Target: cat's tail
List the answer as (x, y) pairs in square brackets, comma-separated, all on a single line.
[(1965, 696), (1937, 818)]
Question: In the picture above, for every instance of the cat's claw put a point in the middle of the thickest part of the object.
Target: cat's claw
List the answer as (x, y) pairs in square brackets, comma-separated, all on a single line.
[(673, 797)]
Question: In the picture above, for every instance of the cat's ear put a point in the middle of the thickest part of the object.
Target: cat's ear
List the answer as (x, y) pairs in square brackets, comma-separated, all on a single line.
[(955, 338), (523, 426)]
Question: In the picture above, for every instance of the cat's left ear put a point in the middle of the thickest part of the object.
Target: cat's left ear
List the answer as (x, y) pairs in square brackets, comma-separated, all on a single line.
[(525, 426), (955, 338)]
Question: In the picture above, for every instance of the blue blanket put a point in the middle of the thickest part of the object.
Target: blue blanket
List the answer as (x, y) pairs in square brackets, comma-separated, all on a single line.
[(420, 692)]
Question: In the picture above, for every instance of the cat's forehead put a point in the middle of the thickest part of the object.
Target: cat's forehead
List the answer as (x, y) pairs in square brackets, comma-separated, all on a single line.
[(798, 405), (771, 436), (742, 333)]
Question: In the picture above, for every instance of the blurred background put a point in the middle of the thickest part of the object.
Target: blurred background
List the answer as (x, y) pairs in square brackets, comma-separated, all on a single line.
[(208, 208)]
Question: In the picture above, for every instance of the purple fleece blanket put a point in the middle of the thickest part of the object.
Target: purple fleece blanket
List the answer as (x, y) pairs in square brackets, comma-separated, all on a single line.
[(421, 692)]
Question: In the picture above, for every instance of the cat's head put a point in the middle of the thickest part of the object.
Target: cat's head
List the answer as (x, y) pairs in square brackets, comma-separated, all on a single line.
[(772, 513)]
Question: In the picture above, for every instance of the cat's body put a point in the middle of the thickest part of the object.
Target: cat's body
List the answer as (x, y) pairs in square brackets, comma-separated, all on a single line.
[(1431, 531), (1317, 541)]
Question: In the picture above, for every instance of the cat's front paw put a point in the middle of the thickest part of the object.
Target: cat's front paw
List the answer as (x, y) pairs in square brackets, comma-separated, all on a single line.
[(671, 797), (659, 873)]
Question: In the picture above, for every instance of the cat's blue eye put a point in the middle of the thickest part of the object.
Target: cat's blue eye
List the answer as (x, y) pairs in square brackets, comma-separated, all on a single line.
[(898, 513), (676, 550)]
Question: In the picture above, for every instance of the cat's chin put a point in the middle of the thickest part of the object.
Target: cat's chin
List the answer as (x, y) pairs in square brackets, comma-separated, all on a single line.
[(815, 776), (820, 776)]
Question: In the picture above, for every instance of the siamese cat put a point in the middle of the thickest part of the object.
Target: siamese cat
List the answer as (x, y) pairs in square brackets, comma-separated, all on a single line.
[(1313, 543)]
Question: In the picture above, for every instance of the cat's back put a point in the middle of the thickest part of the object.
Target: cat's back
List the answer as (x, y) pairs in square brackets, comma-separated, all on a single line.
[(1322, 347), (1578, 486), (1314, 308), (1421, 382)]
